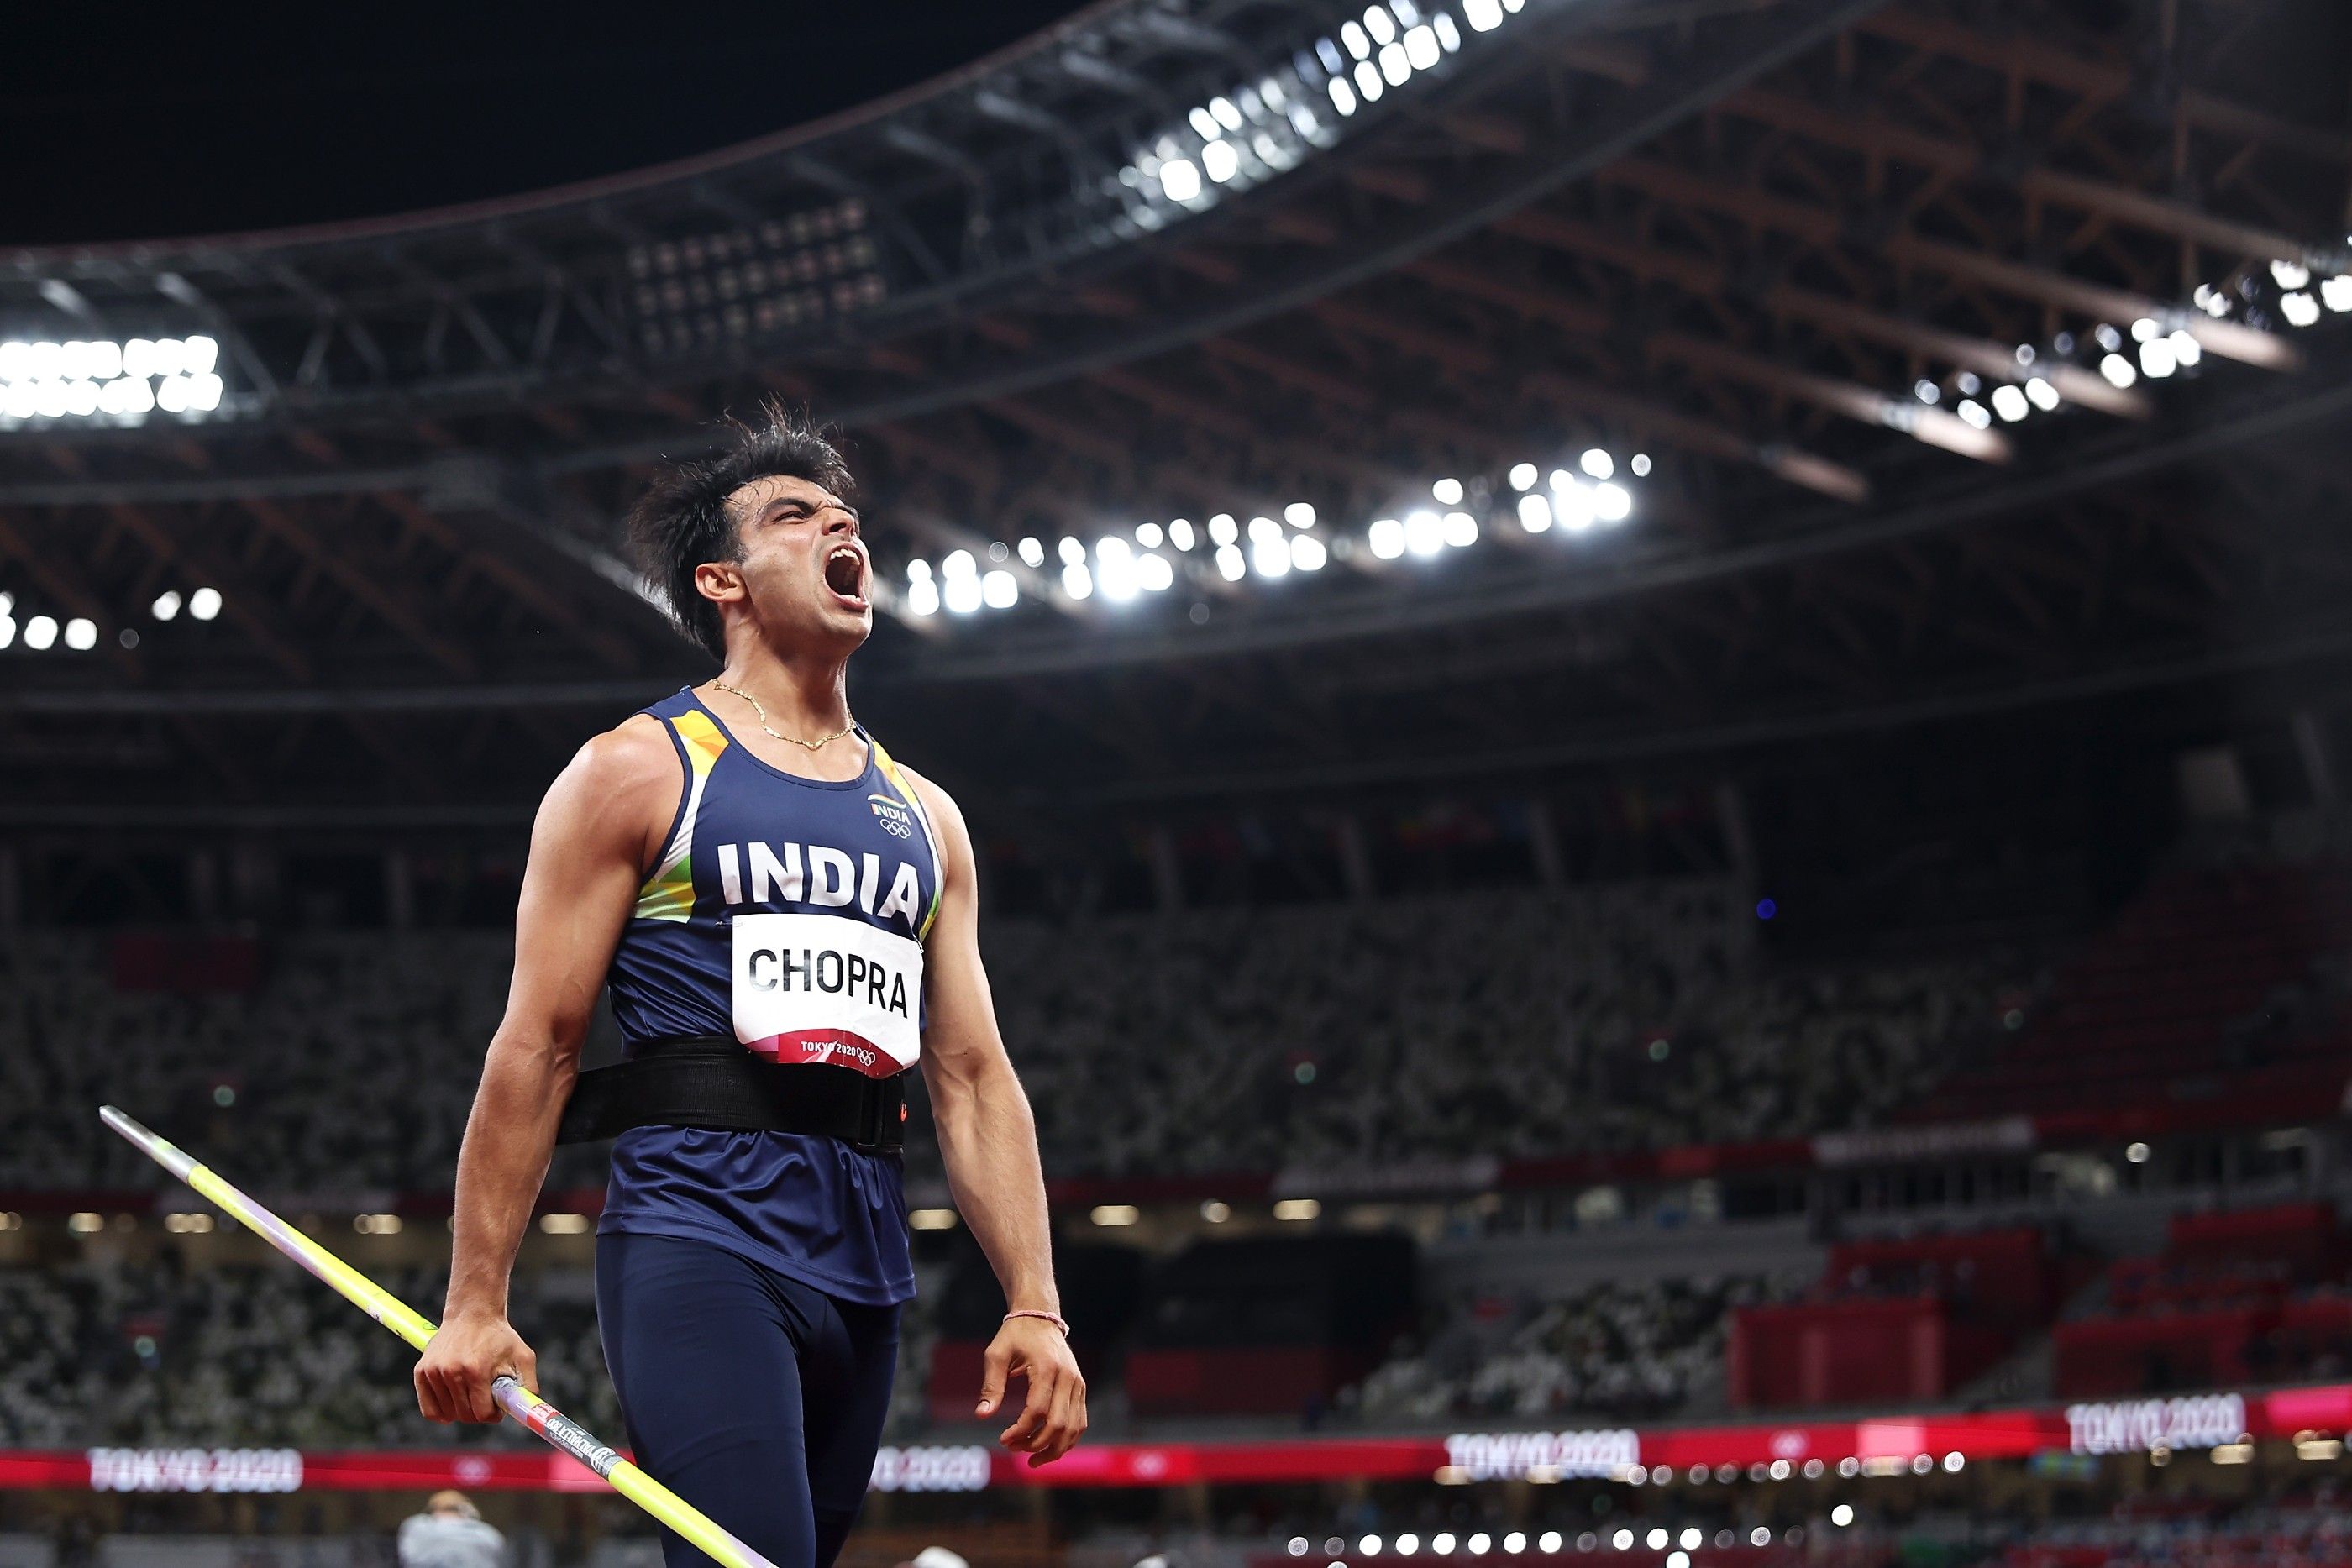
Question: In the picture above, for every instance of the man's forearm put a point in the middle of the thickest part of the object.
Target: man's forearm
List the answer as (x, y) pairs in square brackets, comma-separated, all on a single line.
[(510, 1137), (988, 1140)]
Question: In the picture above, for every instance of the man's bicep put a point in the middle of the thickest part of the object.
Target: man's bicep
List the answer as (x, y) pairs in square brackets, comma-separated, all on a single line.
[(963, 1023), (586, 852)]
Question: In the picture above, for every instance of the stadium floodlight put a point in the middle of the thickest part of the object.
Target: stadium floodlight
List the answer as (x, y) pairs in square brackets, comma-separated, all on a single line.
[(1760, 1536), (1369, 85), (1220, 160), (1369, 1545), (1148, 535), (117, 382), (1261, 528), (1447, 491), (2157, 359), (1598, 464), (1657, 1539), (1549, 1541), (1573, 506), (922, 597), (2119, 370), (1180, 534), (1841, 1515), (1230, 564), (1422, 49), (8, 629), (1442, 1542), (1425, 533), (1974, 413), (2300, 309), (2186, 349), (999, 589), (166, 605), (1461, 530), (2290, 274), (1515, 1542), (1223, 529), (81, 634), (1154, 573), (1076, 581), (1534, 513), (1298, 515), (1479, 1543), (1180, 180), (2147, 327), (1611, 502), (41, 633), (1308, 553), (1639, 465), (1386, 537), (2335, 293), (1522, 475), (1072, 552), (1033, 551), (1622, 1541), (2008, 401), (1343, 96), (2042, 394), (1407, 1544), (1270, 557)]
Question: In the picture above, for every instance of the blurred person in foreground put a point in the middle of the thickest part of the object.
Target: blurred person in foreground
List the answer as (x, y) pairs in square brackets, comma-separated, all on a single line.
[(450, 1534), (786, 920)]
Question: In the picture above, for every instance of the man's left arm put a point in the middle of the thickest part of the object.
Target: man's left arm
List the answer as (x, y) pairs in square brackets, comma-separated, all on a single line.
[(989, 1141)]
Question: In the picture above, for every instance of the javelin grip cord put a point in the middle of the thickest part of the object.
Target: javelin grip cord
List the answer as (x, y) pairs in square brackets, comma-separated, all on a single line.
[(519, 1403)]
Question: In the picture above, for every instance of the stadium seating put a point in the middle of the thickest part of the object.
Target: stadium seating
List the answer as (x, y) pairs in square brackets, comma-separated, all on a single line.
[(1905, 1319), (1607, 1017), (2202, 989), (2237, 1296)]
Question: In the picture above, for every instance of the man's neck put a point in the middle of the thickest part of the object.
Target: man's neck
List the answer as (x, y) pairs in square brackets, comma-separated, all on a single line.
[(805, 697)]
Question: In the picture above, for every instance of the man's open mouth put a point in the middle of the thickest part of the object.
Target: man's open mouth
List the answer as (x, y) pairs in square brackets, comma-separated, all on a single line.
[(845, 573)]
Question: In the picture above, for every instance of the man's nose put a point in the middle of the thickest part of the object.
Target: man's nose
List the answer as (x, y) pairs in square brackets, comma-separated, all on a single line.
[(842, 522)]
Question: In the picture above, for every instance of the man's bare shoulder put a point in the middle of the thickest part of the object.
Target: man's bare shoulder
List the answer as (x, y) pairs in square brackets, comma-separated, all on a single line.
[(631, 764), (635, 751), (936, 801)]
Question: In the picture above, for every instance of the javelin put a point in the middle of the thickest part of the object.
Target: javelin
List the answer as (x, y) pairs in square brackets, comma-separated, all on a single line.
[(394, 1313)]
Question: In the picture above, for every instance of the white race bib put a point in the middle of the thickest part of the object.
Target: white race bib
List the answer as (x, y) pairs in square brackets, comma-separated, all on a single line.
[(820, 987)]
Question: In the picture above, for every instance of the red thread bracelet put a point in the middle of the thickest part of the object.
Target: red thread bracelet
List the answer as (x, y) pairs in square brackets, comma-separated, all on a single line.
[(1056, 1319)]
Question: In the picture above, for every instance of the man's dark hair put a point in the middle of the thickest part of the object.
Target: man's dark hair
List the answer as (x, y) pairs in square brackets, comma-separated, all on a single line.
[(683, 519)]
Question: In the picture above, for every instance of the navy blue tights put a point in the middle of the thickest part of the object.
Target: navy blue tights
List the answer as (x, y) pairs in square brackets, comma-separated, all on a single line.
[(756, 1398)]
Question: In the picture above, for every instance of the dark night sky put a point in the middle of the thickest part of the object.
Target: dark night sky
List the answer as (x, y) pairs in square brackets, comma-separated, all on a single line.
[(128, 121)]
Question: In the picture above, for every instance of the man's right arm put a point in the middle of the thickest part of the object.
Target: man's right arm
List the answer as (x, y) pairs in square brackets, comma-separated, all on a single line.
[(598, 829)]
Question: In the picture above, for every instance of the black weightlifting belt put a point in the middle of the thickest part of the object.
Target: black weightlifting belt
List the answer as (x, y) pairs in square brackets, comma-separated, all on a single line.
[(710, 1080)]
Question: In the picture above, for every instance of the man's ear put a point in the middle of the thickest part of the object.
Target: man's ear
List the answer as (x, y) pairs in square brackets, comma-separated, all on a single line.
[(720, 582)]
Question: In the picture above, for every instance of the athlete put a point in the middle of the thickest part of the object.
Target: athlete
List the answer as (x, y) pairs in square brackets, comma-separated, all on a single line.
[(786, 920)]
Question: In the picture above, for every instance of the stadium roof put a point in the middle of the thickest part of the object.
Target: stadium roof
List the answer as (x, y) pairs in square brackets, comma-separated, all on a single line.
[(1975, 354)]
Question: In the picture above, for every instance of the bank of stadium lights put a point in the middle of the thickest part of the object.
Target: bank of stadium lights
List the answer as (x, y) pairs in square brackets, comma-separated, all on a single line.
[(2148, 348), (1147, 560), (106, 381), (1258, 129)]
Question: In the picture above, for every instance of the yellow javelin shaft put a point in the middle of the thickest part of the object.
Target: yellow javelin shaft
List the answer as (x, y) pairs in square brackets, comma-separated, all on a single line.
[(418, 1330)]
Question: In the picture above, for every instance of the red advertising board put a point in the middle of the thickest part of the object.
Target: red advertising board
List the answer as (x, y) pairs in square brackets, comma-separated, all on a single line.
[(1880, 1443)]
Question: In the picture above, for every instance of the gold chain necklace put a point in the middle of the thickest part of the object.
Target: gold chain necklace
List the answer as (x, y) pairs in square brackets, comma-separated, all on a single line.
[(787, 739)]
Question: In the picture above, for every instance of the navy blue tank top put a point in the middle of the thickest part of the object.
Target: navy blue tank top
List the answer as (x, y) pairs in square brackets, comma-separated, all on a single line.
[(788, 912)]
